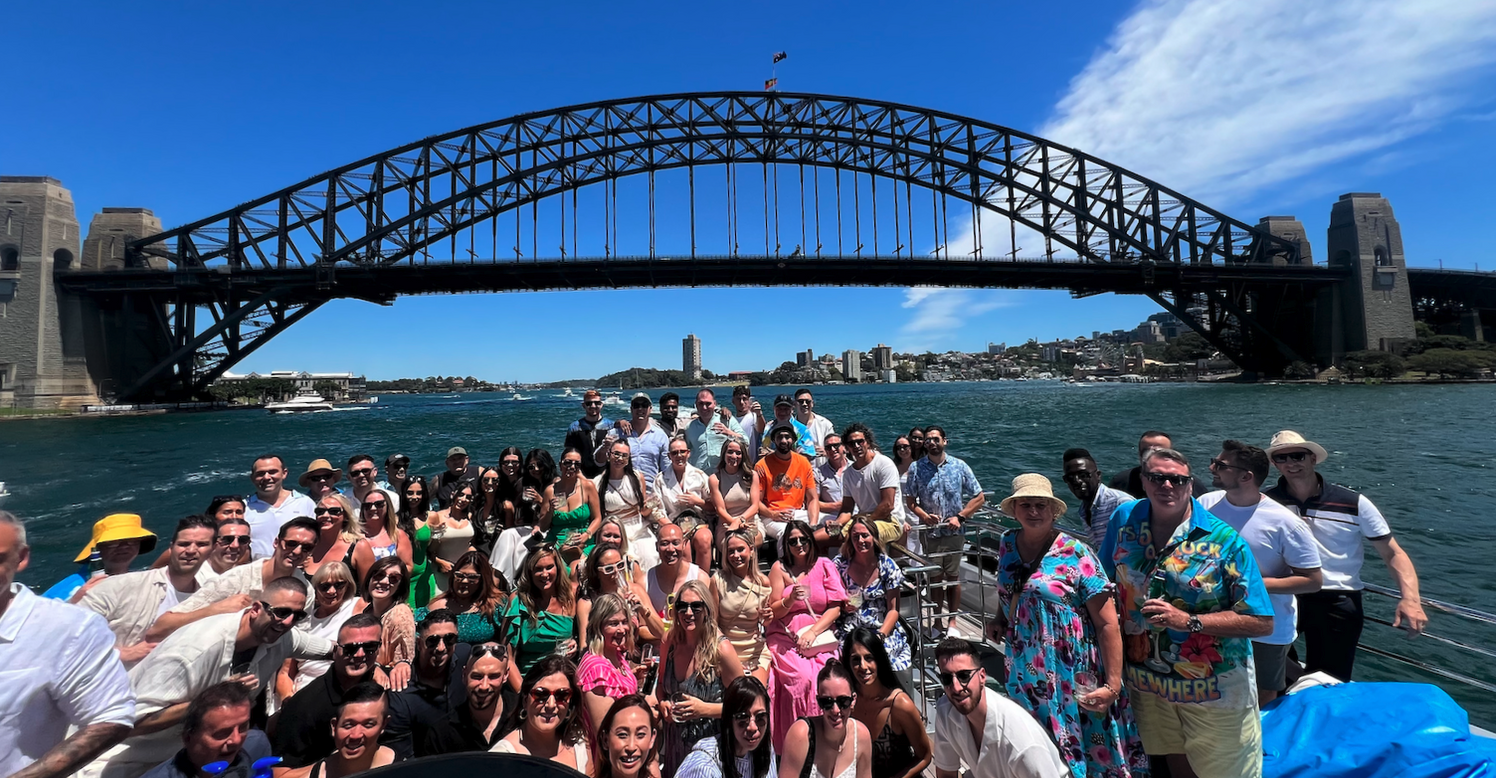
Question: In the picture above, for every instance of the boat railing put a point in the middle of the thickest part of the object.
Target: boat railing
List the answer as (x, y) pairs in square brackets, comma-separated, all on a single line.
[(1468, 615)]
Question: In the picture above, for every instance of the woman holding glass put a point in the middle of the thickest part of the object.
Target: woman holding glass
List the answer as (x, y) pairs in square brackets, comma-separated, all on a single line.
[(742, 594), (541, 617), (697, 663), (872, 581), (1064, 653), (806, 595)]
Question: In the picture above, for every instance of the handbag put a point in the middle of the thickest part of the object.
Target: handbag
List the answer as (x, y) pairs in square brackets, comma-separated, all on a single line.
[(823, 643)]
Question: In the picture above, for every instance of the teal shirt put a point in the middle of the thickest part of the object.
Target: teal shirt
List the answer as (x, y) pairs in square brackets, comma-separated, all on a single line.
[(1205, 567)]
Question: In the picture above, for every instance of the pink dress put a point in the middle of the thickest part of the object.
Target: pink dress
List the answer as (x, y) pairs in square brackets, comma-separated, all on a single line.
[(792, 685), (597, 674)]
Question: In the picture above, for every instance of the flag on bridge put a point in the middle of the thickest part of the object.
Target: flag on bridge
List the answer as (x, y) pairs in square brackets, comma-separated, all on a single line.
[(780, 56), (770, 83)]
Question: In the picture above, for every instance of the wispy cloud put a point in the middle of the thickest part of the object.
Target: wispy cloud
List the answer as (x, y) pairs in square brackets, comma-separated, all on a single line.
[(1221, 99), (938, 313)]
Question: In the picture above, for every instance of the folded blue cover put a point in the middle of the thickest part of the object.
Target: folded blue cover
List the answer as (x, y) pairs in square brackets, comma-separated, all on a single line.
[(1372, 730)]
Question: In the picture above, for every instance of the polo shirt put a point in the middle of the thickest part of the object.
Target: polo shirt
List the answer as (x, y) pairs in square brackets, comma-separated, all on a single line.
[(256, 747), (1279, 541), (265, 520), (1204, 567), (1013, 744), (943, 490), (58, 669), (829, 482), (459, 732), (1338, 518)]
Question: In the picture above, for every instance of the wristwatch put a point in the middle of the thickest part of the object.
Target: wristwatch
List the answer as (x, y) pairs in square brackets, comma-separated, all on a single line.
[(1194, 624)]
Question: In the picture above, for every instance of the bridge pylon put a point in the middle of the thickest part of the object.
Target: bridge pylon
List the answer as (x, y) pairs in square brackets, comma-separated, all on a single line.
[(1376, 304)]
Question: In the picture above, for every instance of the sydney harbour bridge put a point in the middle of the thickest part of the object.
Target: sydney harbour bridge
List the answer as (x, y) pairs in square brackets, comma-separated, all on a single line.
[(734, 189)]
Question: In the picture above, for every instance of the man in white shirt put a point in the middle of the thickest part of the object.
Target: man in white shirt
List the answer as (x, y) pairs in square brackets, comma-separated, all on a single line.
[(131, 602), (231, 592), (819, 426), (58, 671), (272, 504), (871, 485), (1281, 543), (750, 415), (230, 549), (248, 646), (987, 732)]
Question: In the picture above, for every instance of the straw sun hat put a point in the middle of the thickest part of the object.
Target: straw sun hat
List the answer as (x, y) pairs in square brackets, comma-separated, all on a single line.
[(1032, 485), (1288, 439)]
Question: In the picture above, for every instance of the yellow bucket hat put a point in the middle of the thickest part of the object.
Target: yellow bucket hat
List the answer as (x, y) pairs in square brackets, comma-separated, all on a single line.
[(118, 526)]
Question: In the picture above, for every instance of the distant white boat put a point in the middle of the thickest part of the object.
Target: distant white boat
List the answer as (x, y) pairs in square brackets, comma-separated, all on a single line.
[(615, 399), (565, 393), (301, 403), (3, 493), (518, 396)]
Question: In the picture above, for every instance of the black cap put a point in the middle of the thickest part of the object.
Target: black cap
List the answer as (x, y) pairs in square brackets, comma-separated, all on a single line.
[(783, 399), (395, 459), (784, 425)]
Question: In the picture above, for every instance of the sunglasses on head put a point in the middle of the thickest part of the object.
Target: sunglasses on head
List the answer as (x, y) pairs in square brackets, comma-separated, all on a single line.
[(541, 696), (842, 702), (281, 614), (232, 540), (331, 511), (353, 649), (760, 718), (495, 650), (1168, 479), (961, 677), (446, 640), (1290, 456)]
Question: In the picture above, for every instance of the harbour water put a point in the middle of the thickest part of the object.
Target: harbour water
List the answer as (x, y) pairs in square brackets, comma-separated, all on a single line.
[(1424, 454)]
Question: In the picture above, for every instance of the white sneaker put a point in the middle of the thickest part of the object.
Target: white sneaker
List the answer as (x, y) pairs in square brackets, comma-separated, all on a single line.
[(952, 632)]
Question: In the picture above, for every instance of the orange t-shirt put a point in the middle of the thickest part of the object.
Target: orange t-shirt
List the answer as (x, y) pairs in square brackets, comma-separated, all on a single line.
[(785, 483)]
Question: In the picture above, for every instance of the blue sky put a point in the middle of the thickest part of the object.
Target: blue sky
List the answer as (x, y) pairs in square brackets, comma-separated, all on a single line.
[(1275, 106)]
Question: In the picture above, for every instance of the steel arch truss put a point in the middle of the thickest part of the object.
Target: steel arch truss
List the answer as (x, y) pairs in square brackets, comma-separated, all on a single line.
[(392, 207)]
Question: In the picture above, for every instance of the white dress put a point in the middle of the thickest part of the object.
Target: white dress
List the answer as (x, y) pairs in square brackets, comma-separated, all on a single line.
[(621, 501), (579, 752), (450, 545)]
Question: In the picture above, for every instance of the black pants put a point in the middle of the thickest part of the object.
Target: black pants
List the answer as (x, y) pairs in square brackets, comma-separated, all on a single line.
[(1331, 622)]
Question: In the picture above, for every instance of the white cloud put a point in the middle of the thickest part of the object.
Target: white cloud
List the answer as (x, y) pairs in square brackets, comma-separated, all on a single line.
[(1220, 99), (940, 312)]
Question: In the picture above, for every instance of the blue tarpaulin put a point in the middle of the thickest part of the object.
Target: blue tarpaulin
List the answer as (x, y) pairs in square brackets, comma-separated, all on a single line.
[(1372, 730)]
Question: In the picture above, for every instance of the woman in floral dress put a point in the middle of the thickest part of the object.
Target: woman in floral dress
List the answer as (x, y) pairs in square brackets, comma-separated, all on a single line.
[(1064, 653), (872, 580)]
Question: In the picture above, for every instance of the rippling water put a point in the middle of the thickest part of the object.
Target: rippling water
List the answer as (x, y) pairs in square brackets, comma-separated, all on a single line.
[(1422, 453)]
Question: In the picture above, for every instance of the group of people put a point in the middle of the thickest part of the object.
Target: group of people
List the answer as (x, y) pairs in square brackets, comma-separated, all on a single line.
[(712, 596)]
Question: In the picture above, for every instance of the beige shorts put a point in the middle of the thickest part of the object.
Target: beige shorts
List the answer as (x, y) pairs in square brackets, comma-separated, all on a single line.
[(950, 563), (889, 531), (1219, 742)]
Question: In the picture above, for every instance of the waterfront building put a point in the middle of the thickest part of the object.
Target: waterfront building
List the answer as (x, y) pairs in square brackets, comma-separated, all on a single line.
[(882, 358), (690, 347), (852, 365)]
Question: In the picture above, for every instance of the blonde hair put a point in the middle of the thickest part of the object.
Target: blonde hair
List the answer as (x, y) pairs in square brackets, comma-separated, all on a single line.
[(867, 523), (353, 521), (623, 534), (335, 571), (604, 607), (749, 537), (708, 656)]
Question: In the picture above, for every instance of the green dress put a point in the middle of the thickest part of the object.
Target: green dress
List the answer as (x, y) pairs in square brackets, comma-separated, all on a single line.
[(564, 524), (534, 640), (422, 575)]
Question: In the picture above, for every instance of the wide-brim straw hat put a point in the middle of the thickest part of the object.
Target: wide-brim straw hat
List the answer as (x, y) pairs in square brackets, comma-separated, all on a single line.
[(1288, 439), (319, 466), (118, 526), (1032, 485)]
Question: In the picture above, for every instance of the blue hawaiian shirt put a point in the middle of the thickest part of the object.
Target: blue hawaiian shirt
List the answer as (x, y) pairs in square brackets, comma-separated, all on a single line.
[(944, 490), (1205, 567)]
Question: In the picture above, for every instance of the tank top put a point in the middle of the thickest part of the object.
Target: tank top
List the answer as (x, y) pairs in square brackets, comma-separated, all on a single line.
[(810, 770), (893, 754), (661, 598), (737, 495)]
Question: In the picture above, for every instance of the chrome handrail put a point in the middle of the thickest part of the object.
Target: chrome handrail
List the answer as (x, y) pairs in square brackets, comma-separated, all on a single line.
[(1429, 602)]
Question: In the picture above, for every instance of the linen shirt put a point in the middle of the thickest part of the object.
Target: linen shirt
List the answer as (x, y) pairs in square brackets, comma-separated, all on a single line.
[(706, 444), (265, 520), (187, 662), (1013, 744), (129, 602), (58, 668), (1098, 516), (240, 580), (943, 490), (1204, 567), (1279, 541), (668, 490)]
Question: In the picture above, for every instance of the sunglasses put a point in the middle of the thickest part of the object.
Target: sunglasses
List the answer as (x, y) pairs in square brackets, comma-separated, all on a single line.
[(281, 614), (843, 702), (797, 541), (833, 445), (616, 568), (857, 442), (491, 649), (1221, 464), (353, 649), (541, 696), (393, 578), (378, 504), (961, 677), (761, 718), (902, 445), (446, 640), (333, 511), (362, 471), (332, 586), (696, 606), (619, 454), (292, 546), (593, 404), (1290, 456), (571, 463), (490, 481), (232, 540), (466, 578), (509, 463), (1168, 479)]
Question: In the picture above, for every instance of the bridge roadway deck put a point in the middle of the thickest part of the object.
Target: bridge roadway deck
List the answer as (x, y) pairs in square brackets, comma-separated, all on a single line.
[(382, 283)]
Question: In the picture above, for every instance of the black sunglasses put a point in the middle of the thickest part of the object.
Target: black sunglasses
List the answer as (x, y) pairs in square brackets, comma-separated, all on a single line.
[(292, 546), (281, 614), (333, 511), (961, 677), (362, 471), (232, 540), (1290, 456), (446, 640), (353, 649), (1221, 464), (1168, 479), (695, 606), (494, 650), (761, 718), (842, 702), (797, 541)]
